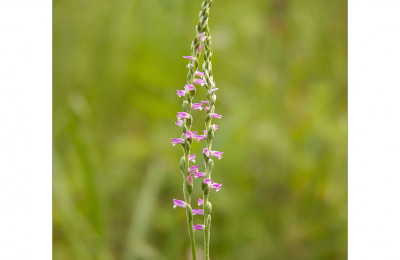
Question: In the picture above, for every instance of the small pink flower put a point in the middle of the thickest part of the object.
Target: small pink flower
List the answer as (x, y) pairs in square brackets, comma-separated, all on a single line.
[(183, 115), (180, 93), (198, 212), (201, 35), (198, 106), (213, 115), (199, 82), (200, 202), (179, 203), (205, 102), (216, 186), (213, 185), (189, 87), (217, 154), (179, 123), (207, 109), (190, 135), (213, 90), (202, 39), (194, 169), (199, 73), (200, 48), (200, 137), (189, 58), (192, 158), (177, 141), (209, 153), (198, 227), (190, 179), (214, 127), (207, 181), (199, 175)]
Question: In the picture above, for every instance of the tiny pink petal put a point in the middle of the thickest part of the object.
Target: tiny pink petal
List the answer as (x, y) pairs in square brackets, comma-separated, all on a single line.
[(198, 212), (192, 158), (183, 115), (213, 90), (179, 203), (180, 93), (199, 73), (214, 115), (189, 58), (199, 175), (189, 87), (177, 141), (198, 227)]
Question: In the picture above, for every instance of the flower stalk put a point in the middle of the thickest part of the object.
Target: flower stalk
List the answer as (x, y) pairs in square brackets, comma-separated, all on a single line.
[(200, 44), (211, 98)]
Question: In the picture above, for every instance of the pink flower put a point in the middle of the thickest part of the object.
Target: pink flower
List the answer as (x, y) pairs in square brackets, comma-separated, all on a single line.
[(190, 179), (177, 141), (207, 181), (202, 39), (194, 169), (198, 227), (192, 158), (216, 186), (213, 90), (207, 109), (199, 82), (200, 202), (214, 127), (190, 135), (180, 93), (198, 212), (200, 35), (183, 115), (205, 102), (179, 203), (200, 137), (200, 48), (197, 106), (213, 115), (217, 154), (189, 58), (209, 153), (189, 87), (199, 73), (179, 123), (213, 185), (199, 175)]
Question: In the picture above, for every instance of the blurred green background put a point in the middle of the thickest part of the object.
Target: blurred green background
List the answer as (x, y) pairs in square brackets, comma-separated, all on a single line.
[(281, 69)]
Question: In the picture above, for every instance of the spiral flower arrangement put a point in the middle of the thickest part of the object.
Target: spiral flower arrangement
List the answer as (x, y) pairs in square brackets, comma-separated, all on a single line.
[(201, 44)]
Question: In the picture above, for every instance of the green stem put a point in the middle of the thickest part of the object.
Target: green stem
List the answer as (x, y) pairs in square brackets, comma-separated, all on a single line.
[(189, 216), (207, 213), (207, 228)]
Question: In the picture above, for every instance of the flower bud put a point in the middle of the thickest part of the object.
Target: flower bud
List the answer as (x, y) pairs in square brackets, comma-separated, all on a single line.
[(210, 166), (208, 208), (182, 165), (185, 106)]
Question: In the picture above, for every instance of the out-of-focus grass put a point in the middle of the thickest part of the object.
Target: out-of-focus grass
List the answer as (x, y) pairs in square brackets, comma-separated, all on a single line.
[(281, 67)]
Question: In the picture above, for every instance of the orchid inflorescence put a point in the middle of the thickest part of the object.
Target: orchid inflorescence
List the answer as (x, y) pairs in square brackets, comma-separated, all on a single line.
[(195, 79)]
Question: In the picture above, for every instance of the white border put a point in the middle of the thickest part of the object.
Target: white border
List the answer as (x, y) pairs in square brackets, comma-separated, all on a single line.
[(25, 129), (374, 129)]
